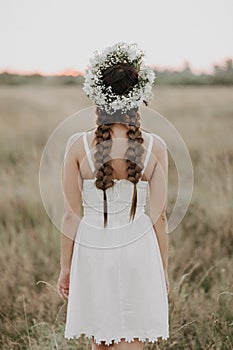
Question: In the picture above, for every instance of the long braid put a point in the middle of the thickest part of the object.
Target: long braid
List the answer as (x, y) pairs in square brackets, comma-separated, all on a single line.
[(104, 178), (134, 155)]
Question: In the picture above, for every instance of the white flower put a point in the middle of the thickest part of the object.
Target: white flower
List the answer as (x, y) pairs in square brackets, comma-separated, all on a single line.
[(93, 85)]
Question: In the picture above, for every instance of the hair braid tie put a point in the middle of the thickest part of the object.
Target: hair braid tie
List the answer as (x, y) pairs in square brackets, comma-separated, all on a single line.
[(134, 200), (105, 208)]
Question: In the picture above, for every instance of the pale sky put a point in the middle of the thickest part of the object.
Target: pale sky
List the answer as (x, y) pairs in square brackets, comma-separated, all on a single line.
[(54, 35)]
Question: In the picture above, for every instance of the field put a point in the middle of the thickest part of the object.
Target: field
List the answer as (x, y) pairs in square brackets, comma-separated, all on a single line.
[(32, 314)]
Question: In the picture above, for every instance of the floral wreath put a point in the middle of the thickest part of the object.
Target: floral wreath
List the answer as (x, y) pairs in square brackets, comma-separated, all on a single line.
[(104, 97)]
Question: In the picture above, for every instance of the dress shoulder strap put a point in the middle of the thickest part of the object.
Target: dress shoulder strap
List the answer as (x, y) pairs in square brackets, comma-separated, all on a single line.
[(88, 152), (149, 148)]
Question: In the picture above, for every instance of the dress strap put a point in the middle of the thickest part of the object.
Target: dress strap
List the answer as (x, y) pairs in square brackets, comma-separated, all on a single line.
[(149, 148), (88, 152)]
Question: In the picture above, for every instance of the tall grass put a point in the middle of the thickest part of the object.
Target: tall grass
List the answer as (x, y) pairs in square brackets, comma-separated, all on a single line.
[(32, 315)]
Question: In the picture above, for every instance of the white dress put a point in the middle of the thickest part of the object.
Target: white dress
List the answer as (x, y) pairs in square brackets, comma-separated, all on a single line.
[(117, 283)]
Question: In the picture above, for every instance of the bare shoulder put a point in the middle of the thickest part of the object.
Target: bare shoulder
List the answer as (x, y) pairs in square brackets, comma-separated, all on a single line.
[(74, 138), (159, 145), (73, 143), (158, 140)]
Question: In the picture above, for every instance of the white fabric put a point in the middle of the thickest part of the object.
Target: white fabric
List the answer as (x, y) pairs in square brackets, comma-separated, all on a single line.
[(117, 283)]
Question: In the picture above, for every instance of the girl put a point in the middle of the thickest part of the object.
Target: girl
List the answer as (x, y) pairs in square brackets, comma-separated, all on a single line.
[(114, 260)]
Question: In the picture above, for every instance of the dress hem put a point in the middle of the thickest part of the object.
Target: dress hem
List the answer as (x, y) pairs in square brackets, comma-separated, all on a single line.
[(116, 340)]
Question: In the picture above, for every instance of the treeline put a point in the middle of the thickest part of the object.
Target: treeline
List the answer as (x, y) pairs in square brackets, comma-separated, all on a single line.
[(222, 75), (18, 79)]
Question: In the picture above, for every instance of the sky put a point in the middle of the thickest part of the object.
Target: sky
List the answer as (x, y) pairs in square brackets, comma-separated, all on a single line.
[(52, 36)]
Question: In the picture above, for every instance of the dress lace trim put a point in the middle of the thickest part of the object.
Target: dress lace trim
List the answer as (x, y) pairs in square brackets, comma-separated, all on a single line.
[(109, 341)]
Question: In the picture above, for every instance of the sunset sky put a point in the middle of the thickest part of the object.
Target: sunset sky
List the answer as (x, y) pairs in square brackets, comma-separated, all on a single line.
[(50, 36)]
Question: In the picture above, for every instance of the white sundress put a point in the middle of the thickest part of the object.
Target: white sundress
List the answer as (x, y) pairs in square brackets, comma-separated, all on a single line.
[(117, 284)]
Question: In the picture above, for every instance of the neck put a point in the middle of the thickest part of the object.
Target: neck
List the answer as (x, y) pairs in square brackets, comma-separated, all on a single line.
[(119, 128)]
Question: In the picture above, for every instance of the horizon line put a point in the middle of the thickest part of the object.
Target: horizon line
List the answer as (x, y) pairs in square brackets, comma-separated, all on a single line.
[(77, 72)]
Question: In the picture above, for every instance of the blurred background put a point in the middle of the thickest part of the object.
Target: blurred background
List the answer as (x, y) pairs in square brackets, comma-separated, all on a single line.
[(45, 47)]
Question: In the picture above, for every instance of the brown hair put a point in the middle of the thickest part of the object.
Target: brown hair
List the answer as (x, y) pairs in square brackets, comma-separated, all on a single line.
[(121, 77)]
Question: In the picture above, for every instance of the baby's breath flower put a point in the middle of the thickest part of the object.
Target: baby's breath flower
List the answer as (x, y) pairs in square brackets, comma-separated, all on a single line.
[(105, 97)]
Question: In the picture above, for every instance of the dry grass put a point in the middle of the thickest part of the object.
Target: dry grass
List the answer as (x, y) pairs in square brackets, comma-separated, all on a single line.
[(200, 263)]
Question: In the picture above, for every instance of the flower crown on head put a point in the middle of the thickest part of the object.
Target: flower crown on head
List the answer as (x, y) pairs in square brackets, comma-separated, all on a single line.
[(104, 97)]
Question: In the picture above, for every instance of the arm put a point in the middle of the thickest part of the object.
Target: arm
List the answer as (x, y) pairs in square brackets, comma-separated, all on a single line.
[(72, 202), (158, 197), (71, 215)]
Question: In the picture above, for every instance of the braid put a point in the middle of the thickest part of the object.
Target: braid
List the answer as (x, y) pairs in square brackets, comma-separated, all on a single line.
[(102, 159), (134, 154), (104, 174)]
